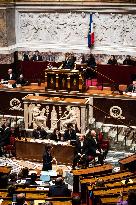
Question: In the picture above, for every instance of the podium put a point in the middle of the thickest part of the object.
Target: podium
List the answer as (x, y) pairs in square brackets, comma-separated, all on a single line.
[(64, 80)]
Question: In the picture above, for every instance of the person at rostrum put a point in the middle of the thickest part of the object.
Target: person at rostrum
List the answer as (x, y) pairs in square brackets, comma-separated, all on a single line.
[(60, 189), (81, 152), (48, 159), (21, 81)]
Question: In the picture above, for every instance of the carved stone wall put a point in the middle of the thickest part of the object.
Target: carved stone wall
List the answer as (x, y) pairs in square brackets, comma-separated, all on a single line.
[(117, 30), (53, 30), (3, 28)]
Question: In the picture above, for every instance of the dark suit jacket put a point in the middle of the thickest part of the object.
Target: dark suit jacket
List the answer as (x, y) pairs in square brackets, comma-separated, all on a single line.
[(69, 136), (131, 88), (59, 190), (112, 62), (12, 78), (128, 62), (34, 58), (83, 149), (39, 134), (54, 137), (25, 57), (47, 164), (21, 81), (6, 136), (92, 146)]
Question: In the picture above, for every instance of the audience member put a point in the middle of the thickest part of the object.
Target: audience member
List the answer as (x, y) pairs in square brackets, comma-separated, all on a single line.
[(39, 133), (94, 149), (56, 135), (21, 199), (12, 178), (3, 181), (48, 159), (37, 56), (10, 75), (60, 189), (50, 57), (131, 198), (128, 61), (112, 60), (26, 56), (132, 87), (70, 133), (76, 200), (24, 172), (81, 152), (11, 190), (32, 180)]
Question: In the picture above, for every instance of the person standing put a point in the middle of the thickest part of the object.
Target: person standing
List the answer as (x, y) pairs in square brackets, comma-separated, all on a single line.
[(48, 159)]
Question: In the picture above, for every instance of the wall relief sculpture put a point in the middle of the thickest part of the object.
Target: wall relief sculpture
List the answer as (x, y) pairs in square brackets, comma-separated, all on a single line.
[(53, 28)]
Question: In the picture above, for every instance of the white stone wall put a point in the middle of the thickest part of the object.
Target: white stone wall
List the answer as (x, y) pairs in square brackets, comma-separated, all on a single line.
[(62, 32), (55, 31)]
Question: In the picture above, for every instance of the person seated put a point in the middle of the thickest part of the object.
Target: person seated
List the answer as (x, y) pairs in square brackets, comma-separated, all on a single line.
[(11, 190), (93, 146), (21, 199), (10, 75), (26, 56), (36, 56), (3, 181), (128, 61), (132, 87), (81, 152), (21, 81), (91, 61), (56, 135), (39, 133), (12, 178), (60, 189), (24, 173), (50, 57), (70, 133), (32, 180), (131, 200), (76, 200), (112, 60)]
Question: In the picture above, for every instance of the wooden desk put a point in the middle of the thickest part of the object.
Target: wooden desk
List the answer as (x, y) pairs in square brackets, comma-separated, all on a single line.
[(68, 80), (34, 151), (97, 170), (128, 163), (5, 170)]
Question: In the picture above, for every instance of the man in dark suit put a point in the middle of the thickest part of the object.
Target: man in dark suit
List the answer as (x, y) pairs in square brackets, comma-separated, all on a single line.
[(94, 148), (81, 152), (21, 81), (132, 87), (37, 56), (69, 62), (11, 75), (39, 133), (60, 189), (7, 134), (70, 133), (128, 61)]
